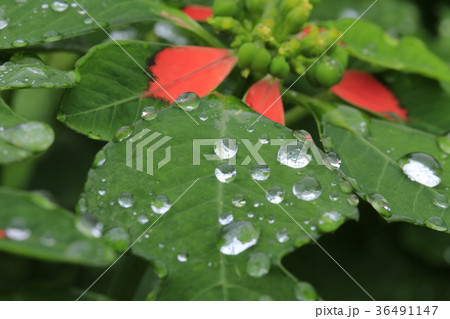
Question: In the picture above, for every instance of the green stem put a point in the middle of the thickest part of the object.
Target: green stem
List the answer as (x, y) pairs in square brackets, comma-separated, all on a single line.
[(295, 114)]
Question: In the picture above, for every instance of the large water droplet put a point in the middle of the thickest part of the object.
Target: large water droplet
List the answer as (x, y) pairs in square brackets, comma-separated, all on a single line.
[(282, 235), (422, 168), (19, 43), (51, 36), (353, 200), (126, 200), (294, 156), (160, 205), (238, 200), (188, 101), (225, 173), (238, 237), (117, 238), (346, 187), (89, 225), (17, 234), (440, 200), (123, 133), (330, 221), (307, 188), (305, 292), (225, 148), (333, 160), (444, 142), (142, 219), (260, 172), (275, 194), (149, 113), (225, 218), (182, 257), (258, 264), (436, 223), (59, 6), (99, 159), (3, 19), (380, 204)]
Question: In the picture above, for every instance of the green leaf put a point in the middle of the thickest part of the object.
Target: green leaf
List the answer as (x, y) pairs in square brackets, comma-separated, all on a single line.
[(109, 94), (185, 244), (36, 227), (368, 42), (30, 72), (428, 105), (19, 138), (40, 21), (373, 153)]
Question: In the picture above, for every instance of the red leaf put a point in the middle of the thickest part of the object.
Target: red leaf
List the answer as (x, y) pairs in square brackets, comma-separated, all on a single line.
[(364, 90), (198, 13), (188, 69), (264, 97), (2, 234)]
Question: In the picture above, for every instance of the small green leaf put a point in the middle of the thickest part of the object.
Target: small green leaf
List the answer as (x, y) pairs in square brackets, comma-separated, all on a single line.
[(368, 42), (20, 139), (36, 227), (225, 238), (30, 72)]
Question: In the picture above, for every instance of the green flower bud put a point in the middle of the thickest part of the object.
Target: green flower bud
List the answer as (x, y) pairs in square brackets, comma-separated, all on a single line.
[(325, 73), (340, 54), (225, 8), (279, 67), (261, 61), (247, 53)]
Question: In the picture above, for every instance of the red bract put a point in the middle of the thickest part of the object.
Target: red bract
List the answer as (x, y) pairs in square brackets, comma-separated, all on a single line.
[(198, 13), (188, 69), (2, 234), (264, 97), (364, 90)]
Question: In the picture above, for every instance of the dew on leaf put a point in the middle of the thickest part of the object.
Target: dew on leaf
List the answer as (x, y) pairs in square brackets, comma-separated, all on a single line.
[(305, 292), (123, 133), (275, 194), (294, 156), (264, 139), (118, 238), (422, 168), (238, 237), (238, 200), (260, 172), (102, 191), (160, 205), (88, 21), (126, 200), (440, 200), (380, 204), (307, 188), (59, 6), (333, 196), (188, 101), (17, 234), (333, 160), (182, 257), (225, 218), (436, 223), (346, 187), (258, 264), (444, 142), (99, 159), (3, 19), (330, 221), (353, 200), (142, 219), (149, 113), (225, 148), (89, 225), (282, 235), (19, 43), (51, 36), (225, 173)]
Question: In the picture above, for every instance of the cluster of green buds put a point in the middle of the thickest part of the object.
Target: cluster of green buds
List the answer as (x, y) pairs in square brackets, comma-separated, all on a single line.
[(274, 36)]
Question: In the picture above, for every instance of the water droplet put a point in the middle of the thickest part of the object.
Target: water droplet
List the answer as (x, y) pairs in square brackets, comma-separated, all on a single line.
[(294, 156), (188, 101), (436, 223), (225, 173), (333, 196), (102, 191), (226, 218), (282, 235), (238, 237), (51, 36), (89, 225), (238, 200), (264, 139), (353, 200), (142, 219), (260, 172), (160, 205), (330, 221), (126, 200), (308, 188), (149, 113), (250, 128), (19, 43), (443, 142), (346, 187), (47, 239), (380, 204), (258, 264), (100, 159), (271, 220), (333, 160), (440, 200), (421, 168), (275, 194), (225, 148), (117, 238), (3, 19), (17, 234), (123, 133), (59, 6), (305, 292), (182, 257), (88, 21), (250, 215)]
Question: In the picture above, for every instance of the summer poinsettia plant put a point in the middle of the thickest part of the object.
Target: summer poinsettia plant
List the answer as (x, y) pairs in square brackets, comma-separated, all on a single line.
[(267, 43)]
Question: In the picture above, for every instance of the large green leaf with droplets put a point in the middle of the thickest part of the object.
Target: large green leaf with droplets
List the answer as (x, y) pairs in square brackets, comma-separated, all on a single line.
[(109, 94), (39, 21), (372, 153), (36, 227), (185, 243), (368, 42), (19, 138), (29, 72)]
